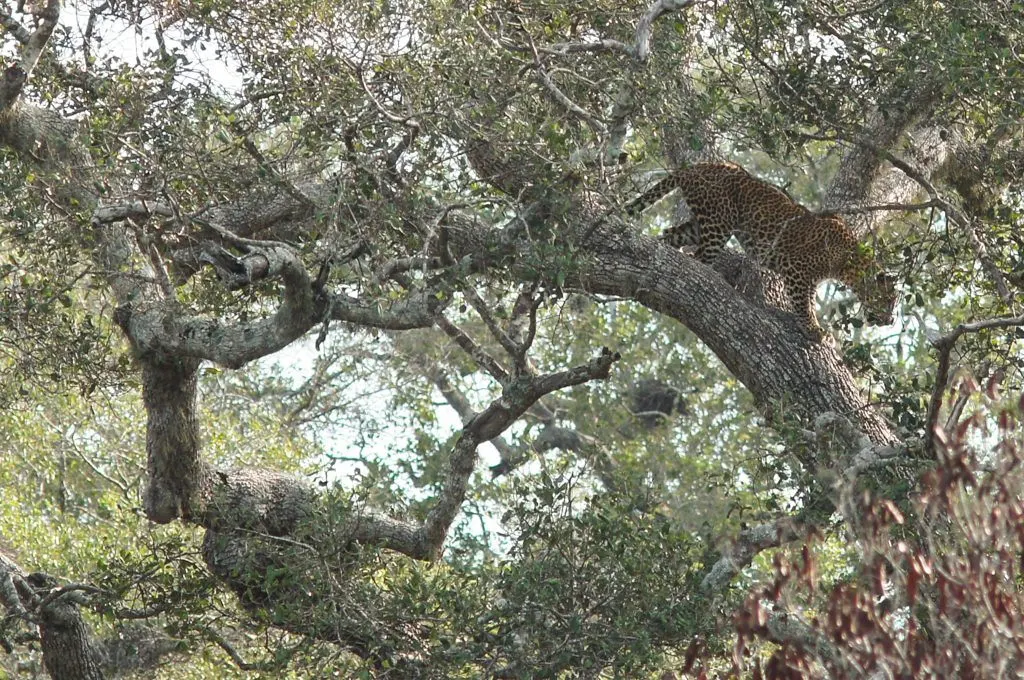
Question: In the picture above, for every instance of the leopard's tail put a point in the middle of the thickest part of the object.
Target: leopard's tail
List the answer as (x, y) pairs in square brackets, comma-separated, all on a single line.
[(683, 235), (645, 200)]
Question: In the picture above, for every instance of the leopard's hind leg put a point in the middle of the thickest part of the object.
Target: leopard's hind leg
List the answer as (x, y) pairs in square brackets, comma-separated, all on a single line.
[(707, 238)]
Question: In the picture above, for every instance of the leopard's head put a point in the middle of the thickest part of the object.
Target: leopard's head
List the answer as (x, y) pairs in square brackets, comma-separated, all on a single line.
[(877, 293)]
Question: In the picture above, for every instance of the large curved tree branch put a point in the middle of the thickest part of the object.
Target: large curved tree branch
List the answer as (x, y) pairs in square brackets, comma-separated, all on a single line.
[(260, 522), (788, 372)]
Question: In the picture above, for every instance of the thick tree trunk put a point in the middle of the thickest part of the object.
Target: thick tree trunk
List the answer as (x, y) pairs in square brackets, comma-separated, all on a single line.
[(69, 652), (178, 480)]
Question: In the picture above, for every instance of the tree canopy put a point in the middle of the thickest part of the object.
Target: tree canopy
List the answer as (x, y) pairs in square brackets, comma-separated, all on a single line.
[(331, 348)]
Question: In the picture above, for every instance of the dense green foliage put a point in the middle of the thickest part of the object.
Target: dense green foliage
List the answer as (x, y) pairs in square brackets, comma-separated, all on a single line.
[(566, 561)]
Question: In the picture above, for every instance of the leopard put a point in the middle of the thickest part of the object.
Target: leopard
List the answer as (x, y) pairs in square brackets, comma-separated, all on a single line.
[(803, 247)]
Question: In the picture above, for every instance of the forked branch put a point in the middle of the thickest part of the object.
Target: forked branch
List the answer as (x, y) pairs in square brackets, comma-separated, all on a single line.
[(515, 399)]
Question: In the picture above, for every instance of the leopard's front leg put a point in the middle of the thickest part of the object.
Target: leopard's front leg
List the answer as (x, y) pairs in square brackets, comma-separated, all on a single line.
[(807, 312), (801, 294)]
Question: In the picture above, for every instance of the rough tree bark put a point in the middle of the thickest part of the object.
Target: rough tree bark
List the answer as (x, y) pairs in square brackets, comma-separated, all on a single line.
[(68, 649)]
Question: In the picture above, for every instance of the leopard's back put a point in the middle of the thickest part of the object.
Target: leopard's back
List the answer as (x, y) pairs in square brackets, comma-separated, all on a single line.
[(725, 201), (804, 248)]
